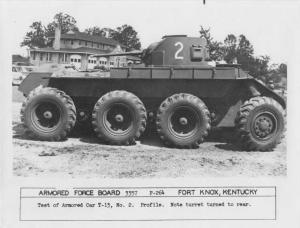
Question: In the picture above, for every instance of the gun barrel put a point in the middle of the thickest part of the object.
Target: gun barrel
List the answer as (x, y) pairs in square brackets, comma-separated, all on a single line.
[(135, 53)]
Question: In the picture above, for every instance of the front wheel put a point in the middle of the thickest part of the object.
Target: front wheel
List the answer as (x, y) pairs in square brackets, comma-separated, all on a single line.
[(260, 124)]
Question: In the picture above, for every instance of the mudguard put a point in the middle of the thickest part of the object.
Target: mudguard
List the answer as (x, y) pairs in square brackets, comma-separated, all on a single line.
[(265, 91), (34, 80)]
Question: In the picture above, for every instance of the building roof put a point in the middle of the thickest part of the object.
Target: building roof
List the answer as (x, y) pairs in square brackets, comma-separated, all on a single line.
[(86, 37), (134, 58), (19, 58), (80, 50)]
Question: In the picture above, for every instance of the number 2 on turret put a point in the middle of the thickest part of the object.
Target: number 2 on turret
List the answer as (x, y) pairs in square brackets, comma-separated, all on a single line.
[(179, 50)]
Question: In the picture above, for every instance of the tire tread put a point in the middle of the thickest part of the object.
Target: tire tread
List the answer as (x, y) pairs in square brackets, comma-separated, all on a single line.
[(243, 136), (66, 100)]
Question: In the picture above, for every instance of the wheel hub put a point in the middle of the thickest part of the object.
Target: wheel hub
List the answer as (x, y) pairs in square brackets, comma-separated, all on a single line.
[(47, 115), (263, 126), (183, 121), (119, 118)]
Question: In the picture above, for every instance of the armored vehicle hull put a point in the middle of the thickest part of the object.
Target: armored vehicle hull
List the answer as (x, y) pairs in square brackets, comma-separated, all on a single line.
[(224, 91)]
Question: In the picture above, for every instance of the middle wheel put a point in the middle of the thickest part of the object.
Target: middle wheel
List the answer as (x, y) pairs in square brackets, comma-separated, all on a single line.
[(119, 117), (183, 120)]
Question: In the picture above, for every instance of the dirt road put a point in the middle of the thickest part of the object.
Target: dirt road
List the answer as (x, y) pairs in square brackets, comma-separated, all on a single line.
[(84, 156)]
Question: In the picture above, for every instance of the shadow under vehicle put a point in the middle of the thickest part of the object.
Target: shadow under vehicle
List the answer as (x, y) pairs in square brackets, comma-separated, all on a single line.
[(177, 89)]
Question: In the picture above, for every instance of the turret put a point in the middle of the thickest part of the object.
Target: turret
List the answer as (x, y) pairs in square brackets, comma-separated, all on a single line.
[(177, 50)]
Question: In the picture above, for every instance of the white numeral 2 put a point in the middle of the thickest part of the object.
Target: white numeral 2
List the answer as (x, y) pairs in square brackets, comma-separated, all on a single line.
[(179, 50)]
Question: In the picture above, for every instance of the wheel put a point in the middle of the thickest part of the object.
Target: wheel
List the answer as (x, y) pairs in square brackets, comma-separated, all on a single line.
[(183, 121), (48, 114), (260, 124), (119, 117)]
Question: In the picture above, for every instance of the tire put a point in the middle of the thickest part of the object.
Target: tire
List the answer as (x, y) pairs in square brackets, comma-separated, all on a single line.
[(48, 114), (260, 124), (119, 118), (183, 120)]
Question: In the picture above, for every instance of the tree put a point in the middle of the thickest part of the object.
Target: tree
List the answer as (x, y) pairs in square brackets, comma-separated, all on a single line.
[(277, 75), (214, 47), (39, 35), (127, 36), (239, 49), (95, 31), (35, 38), (230, 48), (244, 47), (242, 50), (283, 69), (65, 21), (108, 32)]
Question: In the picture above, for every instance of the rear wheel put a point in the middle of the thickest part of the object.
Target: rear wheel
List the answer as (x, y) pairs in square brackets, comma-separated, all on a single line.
[(183, 121), (260, 124), (48, 114), (119, 117)]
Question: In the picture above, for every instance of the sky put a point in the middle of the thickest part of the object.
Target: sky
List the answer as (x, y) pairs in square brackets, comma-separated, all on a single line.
[(268, 25)]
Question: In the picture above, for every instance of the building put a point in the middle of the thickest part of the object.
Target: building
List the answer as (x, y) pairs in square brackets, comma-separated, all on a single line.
[(78, 48), (20, 60), (133, 60)]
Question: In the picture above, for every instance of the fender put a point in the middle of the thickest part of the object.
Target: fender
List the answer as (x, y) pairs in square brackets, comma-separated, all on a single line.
[(258, 89), (33, 80)]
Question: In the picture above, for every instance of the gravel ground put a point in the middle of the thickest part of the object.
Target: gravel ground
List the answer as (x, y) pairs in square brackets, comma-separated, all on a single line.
[(84, 156)]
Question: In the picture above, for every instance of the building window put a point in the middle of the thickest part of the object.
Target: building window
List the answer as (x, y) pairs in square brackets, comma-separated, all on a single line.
[(48, 56), (34, 55), (63, 57), (72, 42), (111, 63), (41, 56)]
